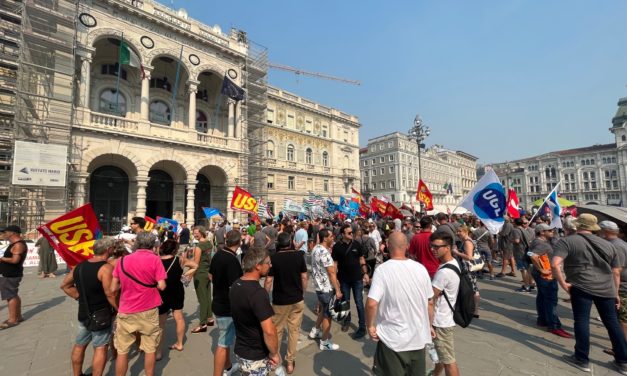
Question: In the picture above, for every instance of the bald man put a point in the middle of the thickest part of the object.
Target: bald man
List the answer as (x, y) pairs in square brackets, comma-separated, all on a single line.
[(400, 286)]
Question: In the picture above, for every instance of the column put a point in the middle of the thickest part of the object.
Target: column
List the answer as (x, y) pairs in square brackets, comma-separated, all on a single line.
[(142, 183), (80, 192), (230, 213), (145, 94), (85, 80), (190, 207), (238, 119), (231, 119), (192, 90)]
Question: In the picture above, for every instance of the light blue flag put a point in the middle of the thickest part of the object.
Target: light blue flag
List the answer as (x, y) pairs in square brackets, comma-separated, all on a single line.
[(211, 212), (556, 210), (487, 201)]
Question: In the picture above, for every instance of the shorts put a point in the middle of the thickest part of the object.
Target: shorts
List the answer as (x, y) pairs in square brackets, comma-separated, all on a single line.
[(445, 345), (227, 331), (486, 254), (521, 262), (507, 254), (324, 298), (622, 311), (97, 339), (389, 362), (9, 287), (145, 323), (254, 367)]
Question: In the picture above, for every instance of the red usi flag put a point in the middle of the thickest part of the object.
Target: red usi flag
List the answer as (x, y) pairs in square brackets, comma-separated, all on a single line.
[(378, 206), (424, 195), (392, 211), (357, 197), (73, 234), (512, 204)]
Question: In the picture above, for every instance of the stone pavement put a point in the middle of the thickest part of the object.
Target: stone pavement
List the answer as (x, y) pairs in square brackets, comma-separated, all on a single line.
[(504, 341)]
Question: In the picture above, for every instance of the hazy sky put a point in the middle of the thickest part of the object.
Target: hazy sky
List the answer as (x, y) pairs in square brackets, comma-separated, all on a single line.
[(500, 79)]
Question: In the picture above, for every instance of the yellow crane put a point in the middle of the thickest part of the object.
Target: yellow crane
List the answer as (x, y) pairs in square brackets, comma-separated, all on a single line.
[(312, 74)]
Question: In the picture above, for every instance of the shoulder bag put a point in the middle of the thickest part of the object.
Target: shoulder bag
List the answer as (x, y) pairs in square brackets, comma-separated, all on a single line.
[(97, 320), (133, 278)]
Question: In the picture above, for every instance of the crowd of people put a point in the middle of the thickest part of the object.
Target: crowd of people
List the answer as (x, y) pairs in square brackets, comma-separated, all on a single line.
[(250, 282)]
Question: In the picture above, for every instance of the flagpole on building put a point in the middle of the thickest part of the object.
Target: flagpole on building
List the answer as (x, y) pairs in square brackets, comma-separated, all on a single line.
[(176, 86), (117, 85), (545, 200)]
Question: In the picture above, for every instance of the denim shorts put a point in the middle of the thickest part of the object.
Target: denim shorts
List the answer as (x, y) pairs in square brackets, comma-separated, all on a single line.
[(324, 298), (486, 254), (97, 339), (521, 263), (227, 331)]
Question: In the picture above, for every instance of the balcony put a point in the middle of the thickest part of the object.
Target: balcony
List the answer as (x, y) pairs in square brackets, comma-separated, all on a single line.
[(349, 173), (129, 127)]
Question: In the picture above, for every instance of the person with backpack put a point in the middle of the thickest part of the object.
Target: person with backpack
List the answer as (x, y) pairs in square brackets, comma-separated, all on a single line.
[(468, 259), (445, 284)]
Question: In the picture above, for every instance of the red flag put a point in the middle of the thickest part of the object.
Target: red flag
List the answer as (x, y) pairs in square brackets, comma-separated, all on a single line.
[(244, 201), (357, 197), (512, 204), (393, 211), (73, 234), (378, 206), (424, 195)]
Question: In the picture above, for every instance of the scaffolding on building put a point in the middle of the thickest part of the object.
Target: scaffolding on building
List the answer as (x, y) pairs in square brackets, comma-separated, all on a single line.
[(44, 100), (254, 138)]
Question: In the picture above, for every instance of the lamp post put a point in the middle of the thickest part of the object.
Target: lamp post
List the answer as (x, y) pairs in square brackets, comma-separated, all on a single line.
[(419, 132)]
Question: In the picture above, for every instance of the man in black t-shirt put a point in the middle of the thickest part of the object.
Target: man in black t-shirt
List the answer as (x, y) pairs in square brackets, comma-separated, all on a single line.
[(350, 262), (257, 345), (288, 280), (224, 270)]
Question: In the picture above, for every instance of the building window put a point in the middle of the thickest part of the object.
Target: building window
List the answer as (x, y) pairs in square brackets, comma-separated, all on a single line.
[(290, 120), (160, 83), (160, 113), (270, 181), (366, 173), (201, 122), (393, 197), (270, 115), (391, 169), (112, 103), (324, 131), (390, 144), (391, 158), (374, 172), (308, 156), (365, 163), (308, 126), (380, 146), (291, 183), (309, 186), (325, 185), (392, 184), (112, 69), (325, 159), (382, 171), (374, 161), (345, 136), (382, 185), (374, 186), (270, 150), (290, 153), (381, 159)]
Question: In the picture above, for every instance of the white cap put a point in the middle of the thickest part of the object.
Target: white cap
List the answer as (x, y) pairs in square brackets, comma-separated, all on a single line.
[(348, 220), (609, 226)]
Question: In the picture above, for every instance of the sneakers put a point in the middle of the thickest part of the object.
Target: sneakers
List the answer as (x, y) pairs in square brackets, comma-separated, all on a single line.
[(523, 289), (360, 333), (621, 367), (328, 345), (232, 370), (315, 333), (573, 361), (561, 333), (532, 287)]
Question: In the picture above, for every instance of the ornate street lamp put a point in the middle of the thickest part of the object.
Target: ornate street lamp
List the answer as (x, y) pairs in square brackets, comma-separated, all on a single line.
[(419, 132)]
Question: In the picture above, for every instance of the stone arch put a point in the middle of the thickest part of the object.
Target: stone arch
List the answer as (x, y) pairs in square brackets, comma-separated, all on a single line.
[(178, 169), (126, 160), (212, 67), (131, 39), (158, 52)]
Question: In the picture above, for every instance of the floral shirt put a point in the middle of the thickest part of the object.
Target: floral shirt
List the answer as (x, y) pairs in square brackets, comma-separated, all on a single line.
[(321, 260)]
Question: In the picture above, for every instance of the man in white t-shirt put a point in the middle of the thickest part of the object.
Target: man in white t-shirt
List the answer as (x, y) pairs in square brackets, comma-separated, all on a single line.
[(400, 298), (445, 281)]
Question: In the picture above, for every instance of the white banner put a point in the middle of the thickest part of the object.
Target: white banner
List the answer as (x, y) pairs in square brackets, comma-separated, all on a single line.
[(39, 164)]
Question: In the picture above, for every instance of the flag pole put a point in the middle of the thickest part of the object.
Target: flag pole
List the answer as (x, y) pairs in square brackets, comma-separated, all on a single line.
[(176, 86), (545, 200), (117, 85)]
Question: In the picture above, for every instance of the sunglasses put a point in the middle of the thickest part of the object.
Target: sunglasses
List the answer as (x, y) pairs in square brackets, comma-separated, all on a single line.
[(436, 247)]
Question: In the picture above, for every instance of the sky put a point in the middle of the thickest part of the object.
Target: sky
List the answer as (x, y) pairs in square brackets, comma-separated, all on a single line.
[(499, 79)]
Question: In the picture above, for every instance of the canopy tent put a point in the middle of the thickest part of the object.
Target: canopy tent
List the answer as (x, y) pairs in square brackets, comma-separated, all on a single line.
[(606, 213), (564, 203)]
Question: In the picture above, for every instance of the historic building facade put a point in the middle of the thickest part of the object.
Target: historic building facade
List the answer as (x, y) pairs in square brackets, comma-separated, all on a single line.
[(389, 168), (310, 148), (589, 175)]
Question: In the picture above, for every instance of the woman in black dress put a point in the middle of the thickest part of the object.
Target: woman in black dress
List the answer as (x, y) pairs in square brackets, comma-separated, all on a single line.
[(174, 294)]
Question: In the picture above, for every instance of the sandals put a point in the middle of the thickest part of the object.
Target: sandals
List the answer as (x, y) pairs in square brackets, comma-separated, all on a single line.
[(211, 322), (200, 329), (173, 347), (290, 367), (7, 325)]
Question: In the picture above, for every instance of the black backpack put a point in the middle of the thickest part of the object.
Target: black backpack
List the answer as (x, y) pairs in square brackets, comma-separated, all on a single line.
[(465, 303)]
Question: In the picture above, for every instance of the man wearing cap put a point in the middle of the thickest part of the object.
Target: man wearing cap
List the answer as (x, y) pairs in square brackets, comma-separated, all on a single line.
[(590, 264), (546, 301), (12, 271), (609, 231)]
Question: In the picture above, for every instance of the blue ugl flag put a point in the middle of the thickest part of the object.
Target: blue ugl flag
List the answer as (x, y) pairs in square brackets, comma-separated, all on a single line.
[(556, 210), (487, 201), (231, 90), (211, 212)]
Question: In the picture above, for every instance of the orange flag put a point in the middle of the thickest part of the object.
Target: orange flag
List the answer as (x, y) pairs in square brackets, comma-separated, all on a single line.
[(424, 195)]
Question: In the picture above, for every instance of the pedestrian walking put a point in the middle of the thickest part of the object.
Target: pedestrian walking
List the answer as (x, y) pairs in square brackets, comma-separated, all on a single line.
[(11, 273), (202, 283)]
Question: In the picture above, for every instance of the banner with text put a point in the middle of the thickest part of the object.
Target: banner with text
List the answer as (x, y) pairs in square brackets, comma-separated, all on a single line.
[(73, 234), (244, 201)]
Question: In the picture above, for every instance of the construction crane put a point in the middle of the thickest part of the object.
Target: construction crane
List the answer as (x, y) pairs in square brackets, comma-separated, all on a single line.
[(312, 74)]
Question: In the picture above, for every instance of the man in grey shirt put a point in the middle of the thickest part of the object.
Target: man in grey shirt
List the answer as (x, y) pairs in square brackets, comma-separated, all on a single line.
[(272, 233), (590, 265), (506, 247)]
